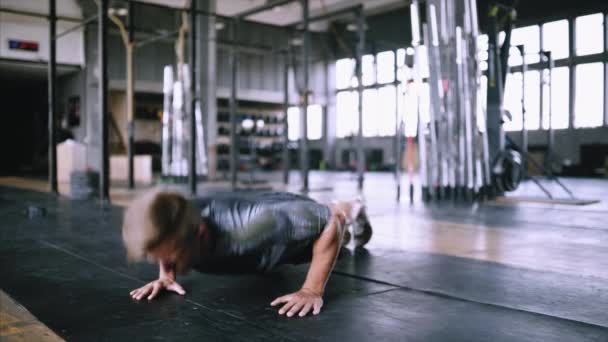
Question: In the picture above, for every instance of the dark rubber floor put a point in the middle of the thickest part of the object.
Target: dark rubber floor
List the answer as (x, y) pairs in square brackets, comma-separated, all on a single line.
[(68, 268)]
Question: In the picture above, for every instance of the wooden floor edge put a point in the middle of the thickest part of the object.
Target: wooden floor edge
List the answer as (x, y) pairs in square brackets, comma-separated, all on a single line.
[(18, 324)]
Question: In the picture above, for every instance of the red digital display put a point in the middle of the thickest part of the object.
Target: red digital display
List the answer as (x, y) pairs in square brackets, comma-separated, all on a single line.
[(23, 45)]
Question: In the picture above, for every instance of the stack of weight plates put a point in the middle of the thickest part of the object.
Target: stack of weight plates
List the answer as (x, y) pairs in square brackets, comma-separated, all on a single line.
[(84, 184)]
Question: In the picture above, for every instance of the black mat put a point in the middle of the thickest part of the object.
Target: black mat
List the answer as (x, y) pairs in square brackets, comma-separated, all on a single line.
[(69, 270)]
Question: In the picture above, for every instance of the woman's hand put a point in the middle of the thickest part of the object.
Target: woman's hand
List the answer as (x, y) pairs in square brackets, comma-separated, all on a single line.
[(153, 288), (302, 301)]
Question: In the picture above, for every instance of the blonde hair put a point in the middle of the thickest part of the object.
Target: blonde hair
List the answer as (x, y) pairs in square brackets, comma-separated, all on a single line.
[(155, 217)]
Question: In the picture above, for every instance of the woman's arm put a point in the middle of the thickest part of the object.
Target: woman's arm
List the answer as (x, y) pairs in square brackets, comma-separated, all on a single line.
[(324, 255)]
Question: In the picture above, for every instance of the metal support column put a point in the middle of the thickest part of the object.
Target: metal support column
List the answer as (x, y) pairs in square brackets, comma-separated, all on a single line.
[(524, 129), (52, 75), (304, 99), (550, 133), (233, 105), (541, 100), (360, 47), (605, 70), (572, 72), (193, 97), (102, 51), (398, 130), (131, 95), (285, 121)]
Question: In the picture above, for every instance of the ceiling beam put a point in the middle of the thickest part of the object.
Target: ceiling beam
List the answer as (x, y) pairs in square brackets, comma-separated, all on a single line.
[(269, 5), (331, 15)]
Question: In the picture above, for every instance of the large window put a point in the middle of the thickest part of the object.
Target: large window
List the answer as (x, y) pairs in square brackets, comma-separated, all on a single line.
[(513, 96), (512, 101), (403, 71), (386, 67), (529, 37), (369, 70), (589, 34), (555, 38), (347, 113), (589, 100), (424, 62), (345, 73), (315, 122), (380, 69), (560, 100), (532, 99), (293, 123), (408, 109), (370, 123), (379, 117), (379, 111)]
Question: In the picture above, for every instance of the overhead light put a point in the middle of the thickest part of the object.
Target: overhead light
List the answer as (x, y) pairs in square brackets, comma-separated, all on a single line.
[(121, 11), (277, 8), (296, 41), (219, 25), (354, 27)]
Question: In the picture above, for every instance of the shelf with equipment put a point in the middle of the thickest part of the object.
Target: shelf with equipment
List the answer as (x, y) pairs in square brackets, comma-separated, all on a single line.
[(259, 134)]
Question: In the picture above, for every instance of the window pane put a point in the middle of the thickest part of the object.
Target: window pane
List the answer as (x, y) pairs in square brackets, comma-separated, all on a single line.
[(385, 114), (560, 101), (425, 103), (589, 103), (407, 105), (555, 38), (532, 99), (589, 34), (424, 60), (314, 119), (370, 122), (347, 114), (386, 67), (293, 123), (345, 70), (528, 36), (379, 112), (369, 70), (315, 122), (512, 101), (501, 37), (400, 57), (514, 56), (404, 71)]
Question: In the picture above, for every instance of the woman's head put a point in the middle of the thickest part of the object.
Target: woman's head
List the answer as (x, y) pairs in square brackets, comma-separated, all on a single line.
[(160, 225)]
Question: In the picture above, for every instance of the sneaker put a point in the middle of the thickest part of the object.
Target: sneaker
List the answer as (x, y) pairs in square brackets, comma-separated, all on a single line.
[(346, 237), (362, 229)]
